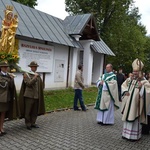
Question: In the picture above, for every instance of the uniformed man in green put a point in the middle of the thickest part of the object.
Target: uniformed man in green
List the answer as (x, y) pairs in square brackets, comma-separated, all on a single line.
[(8, 96), (31, 96)]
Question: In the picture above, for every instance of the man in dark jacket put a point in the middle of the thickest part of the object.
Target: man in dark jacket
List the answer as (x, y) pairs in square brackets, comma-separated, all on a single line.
[(31, 97), (120, 80)]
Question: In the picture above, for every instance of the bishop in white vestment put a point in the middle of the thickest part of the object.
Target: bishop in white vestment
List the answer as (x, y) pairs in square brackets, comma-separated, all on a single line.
[(135, 103)]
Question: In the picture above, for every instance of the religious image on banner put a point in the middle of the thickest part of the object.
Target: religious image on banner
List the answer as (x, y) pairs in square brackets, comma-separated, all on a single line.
[(8, 43)]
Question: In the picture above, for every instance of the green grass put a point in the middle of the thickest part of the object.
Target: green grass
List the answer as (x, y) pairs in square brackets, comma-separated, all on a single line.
[(58, 99)]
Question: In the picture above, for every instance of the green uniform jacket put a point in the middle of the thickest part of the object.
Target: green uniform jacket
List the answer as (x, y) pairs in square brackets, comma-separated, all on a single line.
[(25, 87), (8, 94)]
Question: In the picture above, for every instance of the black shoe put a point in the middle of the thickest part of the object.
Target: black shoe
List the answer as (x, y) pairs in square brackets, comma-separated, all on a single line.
[(29, 128), (3, 132), (34, 126), (106, 124), (84, 109), (132, 140), (99, 122), (77, 109), (124, 137)]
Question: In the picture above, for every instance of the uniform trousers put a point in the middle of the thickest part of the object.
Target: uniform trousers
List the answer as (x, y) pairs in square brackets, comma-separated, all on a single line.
[(31, 111)]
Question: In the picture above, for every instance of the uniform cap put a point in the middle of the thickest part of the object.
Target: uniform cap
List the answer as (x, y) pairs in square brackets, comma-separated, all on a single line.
[(4, 64), (33, 64)]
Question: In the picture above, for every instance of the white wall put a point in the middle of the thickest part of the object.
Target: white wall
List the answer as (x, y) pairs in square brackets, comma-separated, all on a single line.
[(74, 60), (87, 62), (97, 66), (60, 53)]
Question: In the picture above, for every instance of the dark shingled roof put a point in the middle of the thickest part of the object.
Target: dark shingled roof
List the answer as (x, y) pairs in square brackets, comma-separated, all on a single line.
[(78, 24), (75, 24), (101, 47)]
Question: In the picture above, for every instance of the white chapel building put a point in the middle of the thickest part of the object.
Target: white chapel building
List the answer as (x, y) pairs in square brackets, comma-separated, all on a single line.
[(58, 46)]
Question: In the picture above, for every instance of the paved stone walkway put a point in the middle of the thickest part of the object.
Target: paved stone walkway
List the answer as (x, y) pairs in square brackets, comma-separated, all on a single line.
[(69, 130)]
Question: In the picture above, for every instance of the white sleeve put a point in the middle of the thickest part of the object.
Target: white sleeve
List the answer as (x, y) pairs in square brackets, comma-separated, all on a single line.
[(142, 91), (98, 82)]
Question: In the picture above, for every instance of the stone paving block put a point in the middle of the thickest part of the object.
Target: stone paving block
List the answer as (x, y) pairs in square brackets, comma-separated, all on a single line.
[(46, 148), (4, 148), (66, 148), (8, 145), (17, 145), (26, 144), (23, 148), (97, 148), (14, 148)]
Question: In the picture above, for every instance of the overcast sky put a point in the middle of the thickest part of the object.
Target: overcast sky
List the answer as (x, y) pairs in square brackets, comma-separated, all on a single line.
[(57, 8)]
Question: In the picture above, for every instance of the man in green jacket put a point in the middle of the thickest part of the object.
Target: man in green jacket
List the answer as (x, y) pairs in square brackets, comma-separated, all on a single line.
[(8, 101), (31, 97)]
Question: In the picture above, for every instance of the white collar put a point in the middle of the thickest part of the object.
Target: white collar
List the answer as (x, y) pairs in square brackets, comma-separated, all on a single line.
[(4, 73), (32, 71)]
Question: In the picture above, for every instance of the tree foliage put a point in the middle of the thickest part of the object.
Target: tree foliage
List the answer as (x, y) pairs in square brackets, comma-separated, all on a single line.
[(120, 27), (30, 3), (147, 54)]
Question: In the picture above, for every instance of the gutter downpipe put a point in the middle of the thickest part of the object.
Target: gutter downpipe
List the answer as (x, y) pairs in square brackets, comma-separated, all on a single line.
[(104, 64), (68, 66)]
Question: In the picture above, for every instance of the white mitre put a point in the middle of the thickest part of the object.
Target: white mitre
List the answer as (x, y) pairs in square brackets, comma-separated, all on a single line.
[(137, 65)]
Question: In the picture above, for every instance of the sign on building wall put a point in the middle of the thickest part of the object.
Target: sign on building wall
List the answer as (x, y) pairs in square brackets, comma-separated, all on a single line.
[(59, 70), (42, 54)]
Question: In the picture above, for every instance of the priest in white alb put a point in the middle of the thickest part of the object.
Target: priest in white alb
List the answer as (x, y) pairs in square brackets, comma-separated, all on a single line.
[(135, 103), (107, 99)]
